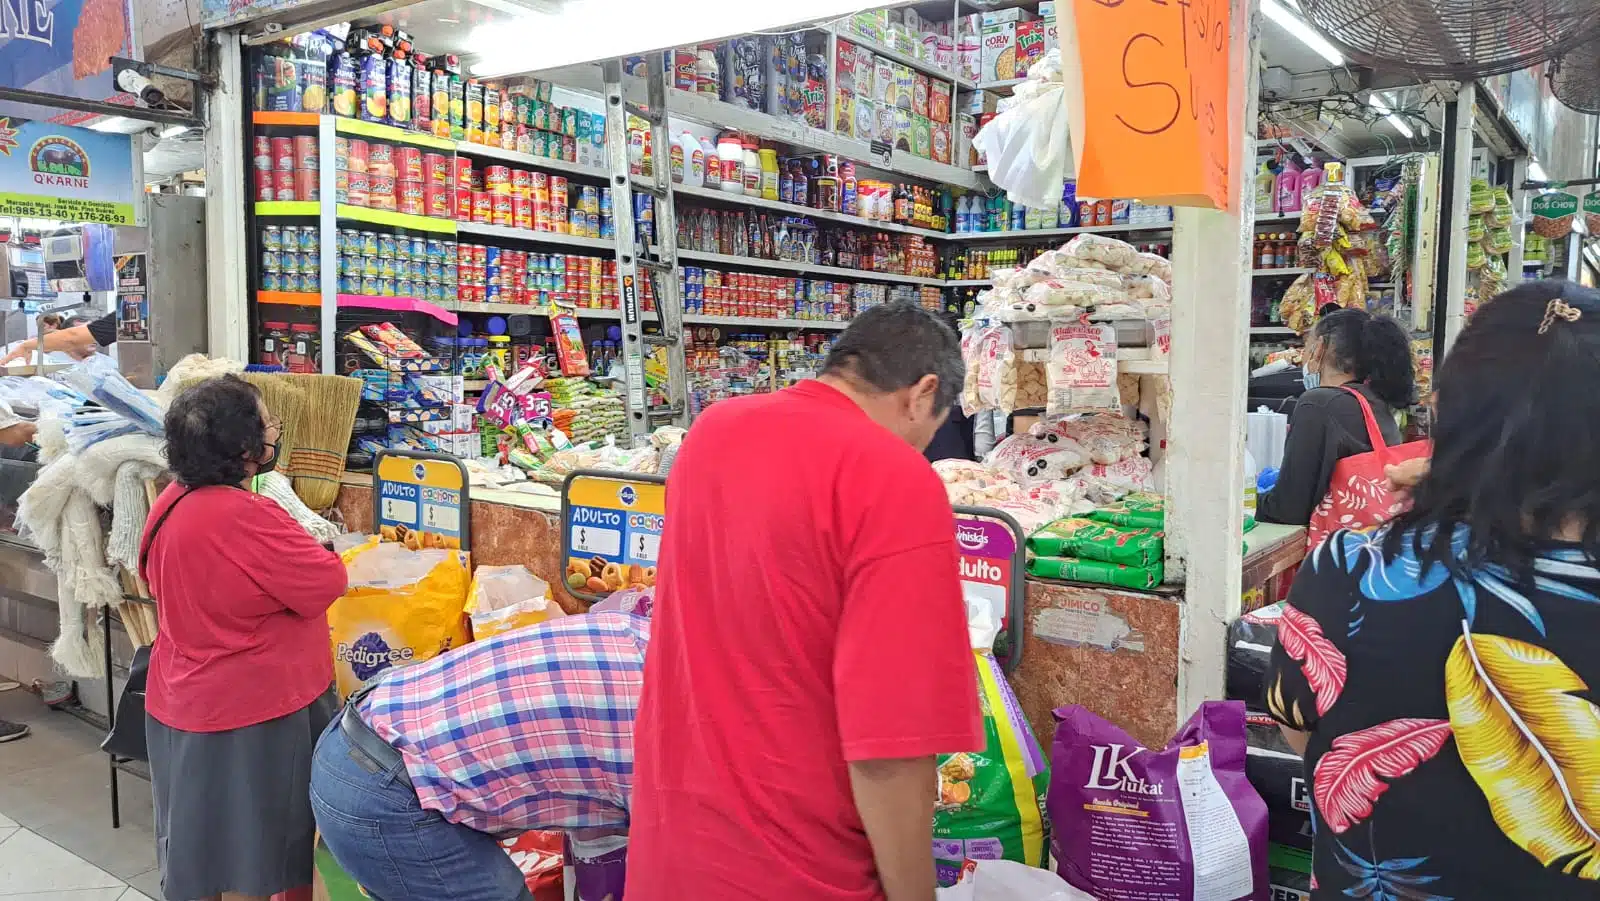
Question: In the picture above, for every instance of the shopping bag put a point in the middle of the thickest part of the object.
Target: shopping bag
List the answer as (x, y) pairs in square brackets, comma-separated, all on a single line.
[(1358, 494), (1028, 151), (539, 856), (503, 598), (402, 606), (1005, 880)]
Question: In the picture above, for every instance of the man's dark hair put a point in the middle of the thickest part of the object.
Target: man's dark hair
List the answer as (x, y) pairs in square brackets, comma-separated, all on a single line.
[(211, 428), (893, 345)]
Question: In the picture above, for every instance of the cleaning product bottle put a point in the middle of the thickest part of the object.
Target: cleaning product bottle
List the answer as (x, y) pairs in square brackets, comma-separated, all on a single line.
[(752, 167), (1266, 189), (694, 160), (730, 149), (769, 173), (707, 74), (1310, 183), (708, 148), (1288, 187)]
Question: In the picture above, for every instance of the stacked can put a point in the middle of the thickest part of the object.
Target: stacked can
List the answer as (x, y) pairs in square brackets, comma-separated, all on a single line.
[(285, 168), (379, 264), (692, 289), (436, 185), (382, 191), (352, 182), (291, 259), (558, 204), (644, 218), (410, 186)]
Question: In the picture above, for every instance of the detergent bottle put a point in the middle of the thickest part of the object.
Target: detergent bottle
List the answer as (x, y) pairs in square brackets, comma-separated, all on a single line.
[(1310, 183), (1288, 186), (1266, 189)]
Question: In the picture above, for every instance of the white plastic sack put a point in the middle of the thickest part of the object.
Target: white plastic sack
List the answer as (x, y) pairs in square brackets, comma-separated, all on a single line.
[(1028, 149), (1007, 880)]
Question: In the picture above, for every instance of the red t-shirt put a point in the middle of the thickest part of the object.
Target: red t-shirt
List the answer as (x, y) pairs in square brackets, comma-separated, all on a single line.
[(242, 594), (808, 613)]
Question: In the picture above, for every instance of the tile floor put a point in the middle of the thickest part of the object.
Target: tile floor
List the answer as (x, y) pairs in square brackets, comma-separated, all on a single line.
[(56, 840)]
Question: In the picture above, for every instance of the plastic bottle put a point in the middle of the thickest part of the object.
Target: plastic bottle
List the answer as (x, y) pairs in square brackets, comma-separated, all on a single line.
[(849, 189), (1266, 189), (730, 150), (1288, 188), (707, 74), (752, 167), (802, 184), (785, 182), (1310, 184), (769, 173), (713, 163), (694, 160)]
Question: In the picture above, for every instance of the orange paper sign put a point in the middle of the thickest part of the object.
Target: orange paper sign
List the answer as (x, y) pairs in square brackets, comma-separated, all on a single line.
[(1155, 92)]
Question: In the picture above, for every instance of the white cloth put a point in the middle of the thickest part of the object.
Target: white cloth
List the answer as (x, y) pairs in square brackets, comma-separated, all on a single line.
[(8, 416), (276, 485)]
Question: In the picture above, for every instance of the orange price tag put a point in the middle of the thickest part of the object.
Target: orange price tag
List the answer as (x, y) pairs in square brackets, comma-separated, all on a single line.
[(1155, 92)]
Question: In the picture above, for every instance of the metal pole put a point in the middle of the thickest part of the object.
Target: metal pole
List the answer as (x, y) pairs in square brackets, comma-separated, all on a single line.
[(227, 313), (328, 224), (1454, 202)]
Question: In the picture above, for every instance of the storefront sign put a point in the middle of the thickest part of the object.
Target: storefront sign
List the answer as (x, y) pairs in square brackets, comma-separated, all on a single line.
[(611, 526), (991, 566), (422, 500), (64, 48), (133, 298), (1157, 119), (60, 172), (218, 13)]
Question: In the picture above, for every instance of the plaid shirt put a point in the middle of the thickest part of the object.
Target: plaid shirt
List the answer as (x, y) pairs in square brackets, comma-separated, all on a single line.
[(530, 729)]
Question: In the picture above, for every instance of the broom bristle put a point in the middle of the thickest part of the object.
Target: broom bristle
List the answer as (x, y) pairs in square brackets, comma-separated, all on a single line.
[(322, 437), (285, 400)]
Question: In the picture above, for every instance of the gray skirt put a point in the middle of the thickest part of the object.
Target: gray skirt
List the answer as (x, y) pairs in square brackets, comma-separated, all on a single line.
[(233, 809)]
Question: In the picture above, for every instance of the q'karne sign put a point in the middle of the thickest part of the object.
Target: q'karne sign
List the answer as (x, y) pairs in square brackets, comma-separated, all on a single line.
[(60, 172)]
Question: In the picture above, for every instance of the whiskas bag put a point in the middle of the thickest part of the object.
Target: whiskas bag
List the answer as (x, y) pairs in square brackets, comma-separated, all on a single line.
[(1178, 824)]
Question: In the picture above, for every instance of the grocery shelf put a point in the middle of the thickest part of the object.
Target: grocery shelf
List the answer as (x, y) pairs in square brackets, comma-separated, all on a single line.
[(528, 234), (1273, 331), (527, 159), (1273, 273), (398, 305), (1000, 87), (1028, 234), (290, 298), (968, 282), (812, 268), (764, 322), (708, 110), (381, 132), (1278, 217), (528, 309), (288, 208), (304, 120), (1137, 361), (435, 414), (395, 220), (794, 209), (910, 62)]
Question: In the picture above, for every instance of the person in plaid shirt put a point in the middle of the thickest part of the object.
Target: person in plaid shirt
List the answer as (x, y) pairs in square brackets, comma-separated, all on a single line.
[(431, 765)]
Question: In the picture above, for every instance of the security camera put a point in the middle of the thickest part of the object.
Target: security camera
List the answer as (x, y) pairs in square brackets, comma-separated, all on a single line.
[(131, 81)]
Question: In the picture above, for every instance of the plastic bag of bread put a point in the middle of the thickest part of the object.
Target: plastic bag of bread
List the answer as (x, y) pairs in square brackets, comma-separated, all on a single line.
[(1082, 372), (1029, 460), (1119, 310), (1150, 264), (1017, 279), (1061, 293), (1105, 278), (1114, 254), (1145, 287), (1108, 439)]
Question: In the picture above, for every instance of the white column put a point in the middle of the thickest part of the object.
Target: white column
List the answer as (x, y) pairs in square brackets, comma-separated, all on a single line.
[(1460, 188), (227, 192), (1519, 174), (1205, 449)]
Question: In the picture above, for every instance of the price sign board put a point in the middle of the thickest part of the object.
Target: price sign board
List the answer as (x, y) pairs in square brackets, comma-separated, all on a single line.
[(421, 500), (992, 564), (611, 524)]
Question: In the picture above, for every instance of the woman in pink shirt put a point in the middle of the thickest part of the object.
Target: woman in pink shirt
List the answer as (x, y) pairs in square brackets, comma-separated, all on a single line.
[(241, 672)]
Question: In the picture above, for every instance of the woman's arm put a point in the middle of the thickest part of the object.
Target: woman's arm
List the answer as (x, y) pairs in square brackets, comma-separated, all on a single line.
[(289, 564)]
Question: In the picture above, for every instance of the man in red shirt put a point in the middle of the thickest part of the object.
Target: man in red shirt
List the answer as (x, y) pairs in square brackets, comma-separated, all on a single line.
[(810, 652)]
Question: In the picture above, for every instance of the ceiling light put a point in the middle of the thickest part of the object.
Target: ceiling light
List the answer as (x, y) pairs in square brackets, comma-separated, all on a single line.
[(1297, 26), (1399, 124), (173, 131), (1536, 172), (113, 124)]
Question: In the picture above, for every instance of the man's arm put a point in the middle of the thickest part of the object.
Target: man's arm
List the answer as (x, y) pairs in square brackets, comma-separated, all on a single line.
[(895, 801), (77, 339)]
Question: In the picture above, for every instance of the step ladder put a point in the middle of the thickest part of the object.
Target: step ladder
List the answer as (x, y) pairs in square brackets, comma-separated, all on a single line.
[(658, 263)]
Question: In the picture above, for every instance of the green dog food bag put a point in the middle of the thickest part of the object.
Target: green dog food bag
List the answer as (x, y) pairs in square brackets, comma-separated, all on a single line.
[(1079, 570), (1078, 537)]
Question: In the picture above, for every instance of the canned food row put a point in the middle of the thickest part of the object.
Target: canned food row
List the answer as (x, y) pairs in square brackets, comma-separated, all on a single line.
[(290, 237), (308, 262)]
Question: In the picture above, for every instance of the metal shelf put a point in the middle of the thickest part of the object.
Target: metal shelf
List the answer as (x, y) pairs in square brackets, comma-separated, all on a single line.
[(1273, 273), (529, 160), (1000, 87), (1030, 234), (794, 209), (528, 309), (968, 282), (763, 322), (528, 234), (723, 259), (348, 213), (1273, 331), (910, 62)]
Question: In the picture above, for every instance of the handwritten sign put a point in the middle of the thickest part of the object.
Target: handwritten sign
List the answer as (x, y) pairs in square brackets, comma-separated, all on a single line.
[(1158, 123)]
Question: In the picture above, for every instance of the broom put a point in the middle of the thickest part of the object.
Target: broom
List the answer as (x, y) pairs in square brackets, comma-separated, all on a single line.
[(322, 436), (288, 402)]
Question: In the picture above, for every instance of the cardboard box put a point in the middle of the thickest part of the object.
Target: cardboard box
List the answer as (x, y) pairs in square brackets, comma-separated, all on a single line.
[(942, 146), (864, 126), (844, 112), (884, 127), (939, 101), (883, 80), (1002, 16), (870, 24), (966, 127), (902, 130), (921, 136), (999, 61), (919, 94), (904, 86), (1030, 45), (845, 67), (815, 109), (979, 102), (866, 77)]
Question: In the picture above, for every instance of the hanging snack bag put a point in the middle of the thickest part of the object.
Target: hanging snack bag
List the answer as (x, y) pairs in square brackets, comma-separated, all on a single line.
[(991, 802), (404, 604), (569, 346), (1181, 823), (1082, 373), (991, 377), (1553, 214)]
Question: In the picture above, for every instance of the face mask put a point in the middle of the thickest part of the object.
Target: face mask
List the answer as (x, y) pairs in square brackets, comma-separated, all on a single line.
[(1311, 379), (264, 468)]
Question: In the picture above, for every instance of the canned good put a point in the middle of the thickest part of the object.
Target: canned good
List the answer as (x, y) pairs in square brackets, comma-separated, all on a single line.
[(419, 247), (357, 159), (433, 272), (384, 245), (436, 201), (521, 212), (589, 199), (311, 263), (271, 260), (283, 184), (290, 261), (500, 209), (409, 198), (369, 285), (349, 283), (271, 238), (436, 169), (386, 267), (264, 190), (349, 265), (463, 206), (270, 280), (558, 189), (349, 241), (261, 156), (403, 287), (381, 192), (306, 155), (341, 153), (307, 184), (462, 176), (408, 163), (380, 159), (482, 207), (592, 224), (416, 270), (310, 239), (435, 250), (539, 185), (369, 267), (283, 154), (369, 243), (521, 181), (385, 287)]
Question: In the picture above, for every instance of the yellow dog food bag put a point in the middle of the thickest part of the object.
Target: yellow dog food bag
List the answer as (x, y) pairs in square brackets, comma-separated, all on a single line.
[(403, 605)]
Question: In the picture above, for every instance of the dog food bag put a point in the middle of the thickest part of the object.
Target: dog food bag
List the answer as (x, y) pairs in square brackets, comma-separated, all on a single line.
[(1072, 536), (1075, 569), (1278, 775), (1180, 823), (991, 802), (1250, 640), (402, 606), (1136, 509), (503, 598)]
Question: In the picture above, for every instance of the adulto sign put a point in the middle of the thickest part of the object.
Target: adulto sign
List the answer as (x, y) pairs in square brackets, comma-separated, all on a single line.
[(1157, 121)]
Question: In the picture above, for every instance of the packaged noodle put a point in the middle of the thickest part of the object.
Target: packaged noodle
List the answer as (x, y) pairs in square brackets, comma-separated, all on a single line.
[(1077, 537), (1079, 570), (403, 605)]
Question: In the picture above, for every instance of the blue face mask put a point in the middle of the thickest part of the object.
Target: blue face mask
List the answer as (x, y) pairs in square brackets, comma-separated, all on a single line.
[(1311, 379)]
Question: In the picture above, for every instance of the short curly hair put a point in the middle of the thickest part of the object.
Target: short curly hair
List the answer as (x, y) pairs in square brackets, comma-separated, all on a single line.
[(212, 428)]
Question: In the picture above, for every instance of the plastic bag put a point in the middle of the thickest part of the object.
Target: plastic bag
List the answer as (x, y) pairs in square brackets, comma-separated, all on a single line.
[(1108, 439), (1082, 372), (1150, 264), (991, 802), (1027, 149), (991, 377), (1004, 880), (1180, 823), (1028, 460), (1110, 252), (402, 606), (503, 598)]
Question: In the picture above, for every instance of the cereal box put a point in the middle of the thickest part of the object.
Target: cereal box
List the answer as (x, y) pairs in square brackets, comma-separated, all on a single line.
[(866, 74), (904, 86), (885, 129), (921, 136), (870, 24), (815, 108), (883, 84), (939, 101), (844, 111), (1003, 16), (999, 52), (941, 142), (1030, 44), (865, 125), (919, 94), (902, 130), (845, 67)]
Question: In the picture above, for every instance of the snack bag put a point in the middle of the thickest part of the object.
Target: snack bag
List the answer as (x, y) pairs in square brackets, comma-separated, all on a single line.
[(503, 598), (991, 376), (1028, 459), (1075, 537), (991, 802), (1176, 824), (1082, 372), (403, 605), (569, 345)]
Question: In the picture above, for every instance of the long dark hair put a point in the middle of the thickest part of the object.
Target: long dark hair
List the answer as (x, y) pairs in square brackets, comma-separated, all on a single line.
[(1372, 349), (1516, 435)]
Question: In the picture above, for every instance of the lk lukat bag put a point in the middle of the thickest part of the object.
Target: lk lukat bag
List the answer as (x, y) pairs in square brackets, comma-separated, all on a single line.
[(1358, 494)]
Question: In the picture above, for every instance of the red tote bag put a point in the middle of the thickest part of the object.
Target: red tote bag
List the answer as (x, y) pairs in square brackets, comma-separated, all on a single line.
[(1358, 495)]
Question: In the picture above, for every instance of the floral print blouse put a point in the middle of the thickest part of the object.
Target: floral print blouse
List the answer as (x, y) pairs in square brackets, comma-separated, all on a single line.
[(1454, 729)]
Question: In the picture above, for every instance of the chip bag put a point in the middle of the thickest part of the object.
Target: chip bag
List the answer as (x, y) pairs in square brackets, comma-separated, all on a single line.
[(503, 598), (991, 802), (402, 606)]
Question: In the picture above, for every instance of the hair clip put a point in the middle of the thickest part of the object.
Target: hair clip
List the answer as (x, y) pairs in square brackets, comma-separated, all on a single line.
[(1558, 308)]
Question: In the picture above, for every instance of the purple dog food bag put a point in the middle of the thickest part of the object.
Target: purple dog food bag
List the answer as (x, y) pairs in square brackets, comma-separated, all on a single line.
[(1178, 824)]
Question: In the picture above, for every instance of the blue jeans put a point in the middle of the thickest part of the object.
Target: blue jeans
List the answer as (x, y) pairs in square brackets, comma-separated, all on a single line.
[(371, 820)]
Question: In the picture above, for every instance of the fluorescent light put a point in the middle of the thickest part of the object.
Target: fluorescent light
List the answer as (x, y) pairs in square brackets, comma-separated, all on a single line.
[(584, 31), (1399, 124), (1536, 172), (1297, 26), (114, 124), (173, 131)]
